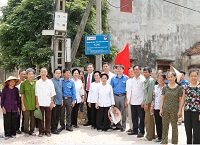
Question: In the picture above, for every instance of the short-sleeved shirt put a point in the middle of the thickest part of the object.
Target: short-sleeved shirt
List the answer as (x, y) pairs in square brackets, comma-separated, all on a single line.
[(192, 100), (171, 100), (28, 90), (119, 84)]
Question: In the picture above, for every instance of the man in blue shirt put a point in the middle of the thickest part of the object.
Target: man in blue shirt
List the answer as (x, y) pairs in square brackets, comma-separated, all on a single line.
[(118, 84), (56, 111), (69, 96)]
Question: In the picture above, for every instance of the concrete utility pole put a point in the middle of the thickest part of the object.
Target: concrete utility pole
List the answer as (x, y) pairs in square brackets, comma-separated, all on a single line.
[(60, 25), (98, 31)]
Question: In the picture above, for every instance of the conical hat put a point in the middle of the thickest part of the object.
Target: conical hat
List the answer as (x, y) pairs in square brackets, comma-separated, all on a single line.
[(5, 83), (115, 114)]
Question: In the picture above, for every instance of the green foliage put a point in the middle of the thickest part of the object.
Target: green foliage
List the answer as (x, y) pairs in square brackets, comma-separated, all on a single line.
[(21, 41), (76, 9)]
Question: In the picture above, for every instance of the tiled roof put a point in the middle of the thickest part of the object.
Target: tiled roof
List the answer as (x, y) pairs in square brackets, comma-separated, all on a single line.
[(194, 50)]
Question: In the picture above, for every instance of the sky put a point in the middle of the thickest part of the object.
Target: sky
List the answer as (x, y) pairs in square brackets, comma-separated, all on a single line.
[(3, 2)]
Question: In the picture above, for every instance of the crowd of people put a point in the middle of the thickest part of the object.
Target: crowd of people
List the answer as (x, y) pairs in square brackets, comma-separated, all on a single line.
[(145, 102)]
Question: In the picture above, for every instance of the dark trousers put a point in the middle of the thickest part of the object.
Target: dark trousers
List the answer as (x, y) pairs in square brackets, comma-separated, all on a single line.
[(45, 123), (29, 120), (55, 117), (158, 120), (93, 114), (103, 122), (74, 114), (10, 123), (19, 116), (68, 110), (62, 116), (138, 115), (88, 110), (192, 127)]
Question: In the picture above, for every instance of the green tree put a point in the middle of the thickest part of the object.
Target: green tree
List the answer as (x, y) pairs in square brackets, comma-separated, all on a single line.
[(21, 42)]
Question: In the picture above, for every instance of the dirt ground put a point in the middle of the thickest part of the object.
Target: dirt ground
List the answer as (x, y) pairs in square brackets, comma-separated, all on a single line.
[(85, 135)]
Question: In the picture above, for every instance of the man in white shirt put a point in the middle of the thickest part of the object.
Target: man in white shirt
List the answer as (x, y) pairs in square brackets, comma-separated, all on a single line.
[(136, 100), (129, 86), (44, 91), (106, 69)]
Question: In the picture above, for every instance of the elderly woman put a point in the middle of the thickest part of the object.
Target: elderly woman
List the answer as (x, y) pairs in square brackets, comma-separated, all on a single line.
[(105, 100), (79, 95), (192, 108)]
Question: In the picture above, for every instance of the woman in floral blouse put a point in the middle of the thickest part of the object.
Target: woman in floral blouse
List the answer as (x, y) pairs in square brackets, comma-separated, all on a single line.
[(191, 99)]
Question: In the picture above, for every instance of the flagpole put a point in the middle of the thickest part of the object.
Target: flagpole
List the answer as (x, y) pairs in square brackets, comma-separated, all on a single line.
[(98, 31)]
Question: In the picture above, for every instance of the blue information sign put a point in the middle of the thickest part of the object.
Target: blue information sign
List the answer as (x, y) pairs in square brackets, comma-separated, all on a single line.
[(97, 44)]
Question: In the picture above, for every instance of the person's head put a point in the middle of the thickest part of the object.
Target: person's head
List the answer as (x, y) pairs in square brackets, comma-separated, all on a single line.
[(183, 75), (75, 73), (171, 76), (43, 73), (66, 73), (12, 83), (57, 73), (106, 67), (115, 69), (22, 74), (147, 72), (90, 68), (193, 76), (137, 70), (97, 75), (30, 73), (120, 69), (161, 79), (81, 75), (104, 77), (160, 71), (131, 72)]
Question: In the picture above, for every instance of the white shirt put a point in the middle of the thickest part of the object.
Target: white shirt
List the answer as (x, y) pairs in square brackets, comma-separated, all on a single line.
[(79, 90), (137, 96), (110, 74), (44, 91), (105, 95), (93, 94), (157, 97), (129, 86)]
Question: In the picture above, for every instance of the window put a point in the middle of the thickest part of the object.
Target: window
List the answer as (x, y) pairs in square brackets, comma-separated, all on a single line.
[(126, 6)]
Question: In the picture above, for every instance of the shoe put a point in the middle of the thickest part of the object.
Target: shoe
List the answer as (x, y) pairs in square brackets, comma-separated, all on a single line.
[(130, 130), (55, 132), (122, 130), (48, 134), (13, 136), (158, 140), (6, 137), (60, 129), (75, 126), (32, 134), (132, 133), (18, 132), (40, 134), (87, 124), (116, 128), (140, 135), (69, 128), (99, 130)]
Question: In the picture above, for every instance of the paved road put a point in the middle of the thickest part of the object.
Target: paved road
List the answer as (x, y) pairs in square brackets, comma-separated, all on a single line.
[(85, 135)]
